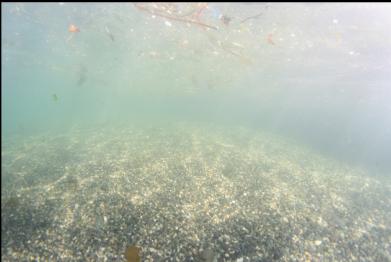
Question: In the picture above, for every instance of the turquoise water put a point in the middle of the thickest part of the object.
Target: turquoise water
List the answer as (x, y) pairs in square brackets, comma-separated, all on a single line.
[(204, 120)]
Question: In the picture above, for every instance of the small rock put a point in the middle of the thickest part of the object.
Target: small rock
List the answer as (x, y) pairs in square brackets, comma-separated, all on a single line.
[(208, 255)]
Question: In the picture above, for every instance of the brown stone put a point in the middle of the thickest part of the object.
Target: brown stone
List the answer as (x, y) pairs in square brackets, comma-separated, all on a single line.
[(132, 254)]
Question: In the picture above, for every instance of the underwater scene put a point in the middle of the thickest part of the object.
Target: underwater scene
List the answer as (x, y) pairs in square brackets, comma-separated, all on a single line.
[(196, 132)]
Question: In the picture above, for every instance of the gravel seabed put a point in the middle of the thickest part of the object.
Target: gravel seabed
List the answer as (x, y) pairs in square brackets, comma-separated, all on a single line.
[(186, 192)]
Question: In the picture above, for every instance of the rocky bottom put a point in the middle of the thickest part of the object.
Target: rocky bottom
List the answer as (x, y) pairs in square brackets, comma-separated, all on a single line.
[(187, 193)]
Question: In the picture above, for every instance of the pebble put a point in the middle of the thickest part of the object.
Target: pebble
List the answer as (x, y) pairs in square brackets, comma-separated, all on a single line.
[(318, 242)]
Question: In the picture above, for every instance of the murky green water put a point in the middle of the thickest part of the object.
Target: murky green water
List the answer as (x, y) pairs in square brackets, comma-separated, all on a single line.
[(196, 132)]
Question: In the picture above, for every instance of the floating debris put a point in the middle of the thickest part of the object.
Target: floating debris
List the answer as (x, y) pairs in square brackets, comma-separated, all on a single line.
[(82, 75), (73, 29), (251, 17), (270, 39), (169, 14), (254, 16), (225, 19), (55, 97), (108, 32), (132, 254)]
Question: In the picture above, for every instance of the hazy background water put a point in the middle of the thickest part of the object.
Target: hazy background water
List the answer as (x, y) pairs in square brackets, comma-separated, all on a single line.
[(317, 73)]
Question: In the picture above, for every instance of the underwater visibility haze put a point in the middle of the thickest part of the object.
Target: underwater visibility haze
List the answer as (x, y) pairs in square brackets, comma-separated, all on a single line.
[(196, 132)]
